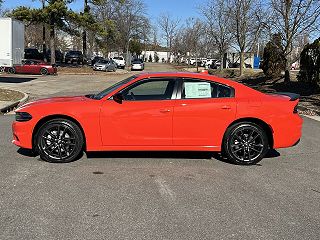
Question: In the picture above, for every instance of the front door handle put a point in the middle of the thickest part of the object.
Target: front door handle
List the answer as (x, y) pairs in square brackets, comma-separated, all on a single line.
[(164, 110), (226, 107)]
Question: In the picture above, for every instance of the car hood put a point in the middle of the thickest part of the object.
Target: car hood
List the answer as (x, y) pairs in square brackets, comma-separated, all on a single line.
[(53, 100)]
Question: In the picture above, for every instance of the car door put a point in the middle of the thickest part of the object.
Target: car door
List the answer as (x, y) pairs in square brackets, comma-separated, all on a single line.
[(35, 67), (202, 112), (143, 118), (22, 68), (29, 67)]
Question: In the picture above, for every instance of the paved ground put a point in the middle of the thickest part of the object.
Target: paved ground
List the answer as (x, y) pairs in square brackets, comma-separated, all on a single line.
[(43, 86), (161, 195), (158, 195)]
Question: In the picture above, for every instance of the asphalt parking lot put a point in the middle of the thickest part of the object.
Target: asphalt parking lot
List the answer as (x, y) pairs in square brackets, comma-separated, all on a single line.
[(154, 195)]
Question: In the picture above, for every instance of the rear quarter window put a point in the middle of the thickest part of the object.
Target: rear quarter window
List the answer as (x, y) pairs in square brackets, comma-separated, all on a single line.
[(197, 89)]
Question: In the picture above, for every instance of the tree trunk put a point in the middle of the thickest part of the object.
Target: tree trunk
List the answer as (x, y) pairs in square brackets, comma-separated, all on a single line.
[(52, 41), (84, 44), (84, 33), (44, 47), (241, 62), (287, 71)]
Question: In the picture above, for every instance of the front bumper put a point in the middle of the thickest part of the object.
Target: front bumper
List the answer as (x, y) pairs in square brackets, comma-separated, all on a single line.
[(22, 134), (99, 68), (120, 65)]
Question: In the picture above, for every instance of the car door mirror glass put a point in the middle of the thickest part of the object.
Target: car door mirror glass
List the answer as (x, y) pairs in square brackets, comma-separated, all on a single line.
[(118, 98)]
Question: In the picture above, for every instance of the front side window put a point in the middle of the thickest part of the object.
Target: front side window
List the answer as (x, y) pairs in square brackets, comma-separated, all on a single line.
[(195, 89), (155, 89), (112, 88)]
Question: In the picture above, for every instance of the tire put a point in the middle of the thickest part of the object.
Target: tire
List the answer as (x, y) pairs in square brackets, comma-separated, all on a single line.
[(66, 148), (11, 70), (245, 143), (44, 71)]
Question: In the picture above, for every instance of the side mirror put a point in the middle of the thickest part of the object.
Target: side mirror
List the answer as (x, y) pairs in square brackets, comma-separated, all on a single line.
[(118, 98)]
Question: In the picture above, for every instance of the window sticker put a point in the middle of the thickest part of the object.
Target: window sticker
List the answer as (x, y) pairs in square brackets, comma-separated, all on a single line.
[(197, 90)]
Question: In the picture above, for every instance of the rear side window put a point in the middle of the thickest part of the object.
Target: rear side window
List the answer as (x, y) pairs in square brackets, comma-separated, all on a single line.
[(195, 89)]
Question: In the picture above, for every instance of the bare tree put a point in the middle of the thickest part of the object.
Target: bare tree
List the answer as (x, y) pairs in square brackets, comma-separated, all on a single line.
[(245, 25), (1, 10), (169, 27), (293, 19), (193, 37), (216, 18)]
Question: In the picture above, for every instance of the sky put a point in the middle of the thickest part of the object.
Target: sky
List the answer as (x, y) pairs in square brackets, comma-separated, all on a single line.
[(181, 9)]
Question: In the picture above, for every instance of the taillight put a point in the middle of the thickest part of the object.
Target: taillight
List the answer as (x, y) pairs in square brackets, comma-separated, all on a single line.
[(295, 110)]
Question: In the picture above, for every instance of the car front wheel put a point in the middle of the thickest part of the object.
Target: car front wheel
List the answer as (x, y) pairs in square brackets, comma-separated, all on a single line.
[(44, 71), (245, 143), (59, 141)]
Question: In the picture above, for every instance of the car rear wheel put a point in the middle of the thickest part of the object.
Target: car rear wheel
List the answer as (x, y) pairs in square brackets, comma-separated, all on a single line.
[(11, 70), (59, 141), (245, 143), (44, 71)]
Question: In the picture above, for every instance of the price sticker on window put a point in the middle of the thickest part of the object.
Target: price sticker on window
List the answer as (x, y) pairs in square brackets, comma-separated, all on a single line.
[(197, 90)]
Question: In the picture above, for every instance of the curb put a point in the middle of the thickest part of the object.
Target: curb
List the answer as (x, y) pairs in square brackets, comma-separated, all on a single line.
[(307, 109), (11, 106)]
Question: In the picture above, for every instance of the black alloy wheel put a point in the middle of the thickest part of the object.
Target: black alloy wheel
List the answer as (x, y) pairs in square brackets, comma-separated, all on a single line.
[(59, 141), (245, 143), (44, 71)]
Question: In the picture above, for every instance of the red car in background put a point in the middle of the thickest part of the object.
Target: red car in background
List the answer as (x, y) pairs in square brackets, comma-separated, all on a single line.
[(162, 112), (30, 66)]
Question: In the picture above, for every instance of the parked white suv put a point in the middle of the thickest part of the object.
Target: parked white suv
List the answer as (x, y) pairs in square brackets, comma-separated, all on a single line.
[(120, 62)]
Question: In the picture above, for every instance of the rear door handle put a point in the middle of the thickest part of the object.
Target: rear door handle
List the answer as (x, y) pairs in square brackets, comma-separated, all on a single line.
[(165, 110), (226, 107)]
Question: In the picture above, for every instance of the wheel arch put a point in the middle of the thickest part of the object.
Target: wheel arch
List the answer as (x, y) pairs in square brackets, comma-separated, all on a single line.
[(265, 126), (56, 116)]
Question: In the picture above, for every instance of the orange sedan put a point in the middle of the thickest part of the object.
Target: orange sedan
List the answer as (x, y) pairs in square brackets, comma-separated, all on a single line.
[(162, 112)]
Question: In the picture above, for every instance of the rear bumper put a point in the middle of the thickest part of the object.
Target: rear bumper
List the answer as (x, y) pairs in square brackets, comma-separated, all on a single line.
[(288, 131), (137, 67)]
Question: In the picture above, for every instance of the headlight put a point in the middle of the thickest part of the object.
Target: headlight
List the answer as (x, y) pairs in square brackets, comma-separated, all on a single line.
[(23, 116)]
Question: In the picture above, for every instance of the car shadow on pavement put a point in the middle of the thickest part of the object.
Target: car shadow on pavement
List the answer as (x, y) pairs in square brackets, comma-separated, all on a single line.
[(169, 154), (16, 79), (151, 154), (154, 154), (26, 152)]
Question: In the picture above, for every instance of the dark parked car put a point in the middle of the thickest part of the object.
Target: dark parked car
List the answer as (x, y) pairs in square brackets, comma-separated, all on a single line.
[(32, 53), (237, 65), (74, 56), (59, 56)]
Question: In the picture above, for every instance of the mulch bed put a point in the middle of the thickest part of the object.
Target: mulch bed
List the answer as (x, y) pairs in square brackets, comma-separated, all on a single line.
[(10, 95)]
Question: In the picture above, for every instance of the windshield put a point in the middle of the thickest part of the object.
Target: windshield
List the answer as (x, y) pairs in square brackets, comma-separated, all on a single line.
[(112, 88), (103, 61)]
